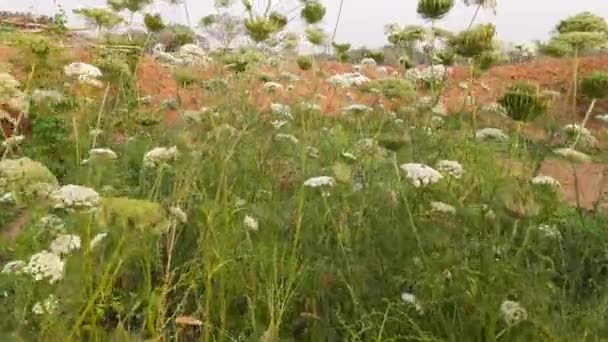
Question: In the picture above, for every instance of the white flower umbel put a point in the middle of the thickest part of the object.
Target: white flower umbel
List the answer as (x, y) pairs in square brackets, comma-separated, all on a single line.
[(8, 198), (442, 208), (348, 80), (64, 244), (512, 312), (545, 180), (90, 81), (603, 117), (178, 214), (77, 69), (313, 107), (281, 109), (14, 267), (368, 62), (356, 109), (495, 108), (50, 222), (348, 155), (412, 300), (320, 182), (45, 265), (160, 156), (272, 86), (420, 174), (76, 197), (103, 152), (277, 124), (251, 223), (450, 168), (549, 231), (491, 134), (572, 154), (573, 130), (95, 132), (48, 306)]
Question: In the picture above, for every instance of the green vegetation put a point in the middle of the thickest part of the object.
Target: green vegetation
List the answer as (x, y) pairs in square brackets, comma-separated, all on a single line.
[(234, 198)]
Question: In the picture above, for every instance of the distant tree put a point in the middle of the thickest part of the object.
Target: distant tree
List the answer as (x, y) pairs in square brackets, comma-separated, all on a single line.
[(222, 26), (102, 18), (133, 6)]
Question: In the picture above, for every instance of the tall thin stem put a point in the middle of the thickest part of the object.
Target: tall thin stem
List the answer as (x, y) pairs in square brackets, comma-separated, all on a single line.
[(575, 84), (187, 13), (333, 35), (474, 17)]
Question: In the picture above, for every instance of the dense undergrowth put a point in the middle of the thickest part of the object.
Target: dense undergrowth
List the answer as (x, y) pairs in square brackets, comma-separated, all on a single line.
[(282, 224)]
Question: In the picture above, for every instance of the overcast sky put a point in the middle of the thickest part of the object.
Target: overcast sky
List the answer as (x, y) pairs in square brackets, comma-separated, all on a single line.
[(362, 22)]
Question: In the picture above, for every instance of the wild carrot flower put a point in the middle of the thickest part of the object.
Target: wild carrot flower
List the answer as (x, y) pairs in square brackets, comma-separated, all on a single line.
[(251, 223), (356, 108), (76, 197), (64, 244), (14, 267), (82, 69), (490, 133), (512, 312), (412, 300), (50, 222), (45, 265), (48, 306), (8, 198), (277, 124), (348, 80), (272, 86), (420, 174), (572, 154), (322, 181), (573, 130), (549, 231), (451, 168), (102, 153), (159, 156), (178, 214), (442, 208), (545, 180), (281, 109)]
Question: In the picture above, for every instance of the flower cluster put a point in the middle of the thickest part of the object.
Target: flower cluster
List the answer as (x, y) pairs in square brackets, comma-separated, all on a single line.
[(65, 243), (251, 223), (48, 306), (545, 180), (76, 197), (272, 86), (512, 312), (368, 62), (322, 181), (572, 154), (491, 134), (442, 208), (432, 74), (549, 231), (573, 130), (451, 168), (85, 73), (348, 80), (160, 156), (421, 174), (45, 265)]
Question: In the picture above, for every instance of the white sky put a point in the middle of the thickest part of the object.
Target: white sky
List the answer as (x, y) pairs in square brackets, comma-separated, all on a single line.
[(363, 21)]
